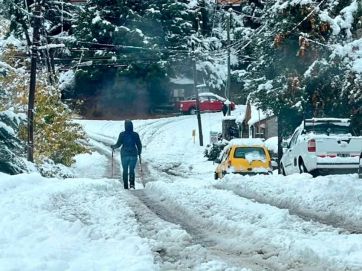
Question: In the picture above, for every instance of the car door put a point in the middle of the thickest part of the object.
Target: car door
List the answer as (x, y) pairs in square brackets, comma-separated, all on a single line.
[(204, 103), (215, 103), (288, 156), (294, 153)]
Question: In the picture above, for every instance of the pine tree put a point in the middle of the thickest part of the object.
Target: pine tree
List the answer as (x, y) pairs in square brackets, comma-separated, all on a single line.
[(297, 69), (140, 42)]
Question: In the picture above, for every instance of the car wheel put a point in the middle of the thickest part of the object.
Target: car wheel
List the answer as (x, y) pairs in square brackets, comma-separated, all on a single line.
[(216, 176), (302, 168), (192, 111)]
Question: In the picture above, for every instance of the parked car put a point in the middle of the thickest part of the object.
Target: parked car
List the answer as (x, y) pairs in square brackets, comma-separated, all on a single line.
[(244, 156), (208, 102), (322, 146)]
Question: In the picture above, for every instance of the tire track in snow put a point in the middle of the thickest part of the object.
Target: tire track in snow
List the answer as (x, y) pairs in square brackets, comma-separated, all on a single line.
[(330, 220), (154, 213), (199, 238), (187, 250), (173, 246)]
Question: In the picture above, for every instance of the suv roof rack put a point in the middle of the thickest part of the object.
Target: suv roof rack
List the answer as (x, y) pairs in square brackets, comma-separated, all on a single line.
[(335, 121)]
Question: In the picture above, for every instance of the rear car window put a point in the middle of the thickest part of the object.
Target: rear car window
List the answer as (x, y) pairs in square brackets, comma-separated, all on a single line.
[(250, 153), (328, 129)]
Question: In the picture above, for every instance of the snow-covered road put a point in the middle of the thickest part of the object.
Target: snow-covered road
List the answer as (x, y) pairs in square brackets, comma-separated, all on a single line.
[(182, 219)]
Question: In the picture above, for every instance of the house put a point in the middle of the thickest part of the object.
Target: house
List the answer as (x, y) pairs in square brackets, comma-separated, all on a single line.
[(256, 123), (181, 88)]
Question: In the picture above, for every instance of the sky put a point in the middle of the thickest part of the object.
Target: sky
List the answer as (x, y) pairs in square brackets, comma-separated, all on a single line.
[(179, 217)]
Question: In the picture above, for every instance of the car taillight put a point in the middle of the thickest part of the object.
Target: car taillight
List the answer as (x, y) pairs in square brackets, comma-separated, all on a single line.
[(311, 145)]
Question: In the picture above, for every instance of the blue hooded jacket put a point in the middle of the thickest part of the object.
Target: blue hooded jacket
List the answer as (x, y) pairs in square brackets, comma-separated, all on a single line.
[(129, 140)]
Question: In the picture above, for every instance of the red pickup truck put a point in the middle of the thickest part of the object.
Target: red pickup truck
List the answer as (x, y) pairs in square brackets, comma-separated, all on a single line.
[(209, 102)]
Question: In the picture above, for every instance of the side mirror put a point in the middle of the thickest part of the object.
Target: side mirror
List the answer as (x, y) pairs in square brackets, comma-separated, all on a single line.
[(284, 144), (217, 161)]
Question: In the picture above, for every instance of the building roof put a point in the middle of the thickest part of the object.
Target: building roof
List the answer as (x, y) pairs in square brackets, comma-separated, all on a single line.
[(230, 2), (182, 81), (78, 2)]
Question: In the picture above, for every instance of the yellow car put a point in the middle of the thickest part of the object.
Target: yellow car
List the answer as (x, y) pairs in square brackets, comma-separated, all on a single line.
[(244, 156)]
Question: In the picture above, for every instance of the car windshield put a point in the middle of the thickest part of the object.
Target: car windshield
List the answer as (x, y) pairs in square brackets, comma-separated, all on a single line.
[(328, 129), (250, 153)]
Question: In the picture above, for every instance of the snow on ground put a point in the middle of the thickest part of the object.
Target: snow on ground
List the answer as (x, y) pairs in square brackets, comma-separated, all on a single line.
[(193, 193), (332, 198), (91, 224), (49, 224)]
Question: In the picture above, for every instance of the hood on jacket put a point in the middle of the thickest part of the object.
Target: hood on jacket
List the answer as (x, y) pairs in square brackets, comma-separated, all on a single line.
[(128, 126)]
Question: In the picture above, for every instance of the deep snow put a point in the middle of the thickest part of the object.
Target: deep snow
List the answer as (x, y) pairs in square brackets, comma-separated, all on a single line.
[(90, 223)]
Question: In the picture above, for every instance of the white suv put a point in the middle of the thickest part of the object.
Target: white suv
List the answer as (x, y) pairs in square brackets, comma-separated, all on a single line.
[(320, 146)]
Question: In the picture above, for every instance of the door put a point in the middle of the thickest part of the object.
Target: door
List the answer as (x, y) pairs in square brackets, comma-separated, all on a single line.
[(289, 162), (215, 104), (204, 103)]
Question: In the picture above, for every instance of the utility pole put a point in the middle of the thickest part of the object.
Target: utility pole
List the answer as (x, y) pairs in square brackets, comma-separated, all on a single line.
[(32, 86), (197, 97), (280, 139), (228, 63)]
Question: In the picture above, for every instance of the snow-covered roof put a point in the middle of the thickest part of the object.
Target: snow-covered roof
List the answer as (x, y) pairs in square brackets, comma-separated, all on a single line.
[(258, 115), (182, 81), (212, 94), (246, 142)]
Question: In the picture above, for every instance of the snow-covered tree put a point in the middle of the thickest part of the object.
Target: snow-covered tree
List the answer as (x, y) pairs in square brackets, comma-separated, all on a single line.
[(133, 47), (302, 60), (56, 137)]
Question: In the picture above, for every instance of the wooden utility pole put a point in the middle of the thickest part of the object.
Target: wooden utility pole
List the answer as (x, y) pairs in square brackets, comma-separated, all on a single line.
[(32, 86), (228, 63), (280, 139), (201, 138)]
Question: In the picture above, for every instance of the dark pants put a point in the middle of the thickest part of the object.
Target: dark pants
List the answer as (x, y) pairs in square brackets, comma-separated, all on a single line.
[(128, 165)]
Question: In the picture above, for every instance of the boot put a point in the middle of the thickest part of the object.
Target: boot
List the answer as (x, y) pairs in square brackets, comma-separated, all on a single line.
[(125, 182), (131, 181)]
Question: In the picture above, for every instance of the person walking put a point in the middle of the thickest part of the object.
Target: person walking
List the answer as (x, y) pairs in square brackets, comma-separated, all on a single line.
[(131, 148), (225, 109)]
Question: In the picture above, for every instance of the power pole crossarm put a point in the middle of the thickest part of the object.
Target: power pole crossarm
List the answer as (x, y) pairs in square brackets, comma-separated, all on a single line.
[(32, 86)]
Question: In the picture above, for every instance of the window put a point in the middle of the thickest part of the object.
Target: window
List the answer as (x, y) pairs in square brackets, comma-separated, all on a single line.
[(328, 129), (250, 153), (293, 141)]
